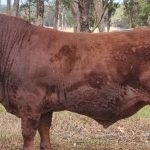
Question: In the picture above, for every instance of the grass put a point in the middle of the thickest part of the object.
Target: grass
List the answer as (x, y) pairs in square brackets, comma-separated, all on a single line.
[(145, 112), (2, 109), (71, 131)]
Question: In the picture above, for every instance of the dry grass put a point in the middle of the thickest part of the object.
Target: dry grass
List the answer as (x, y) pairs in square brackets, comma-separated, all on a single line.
[(75, 132)]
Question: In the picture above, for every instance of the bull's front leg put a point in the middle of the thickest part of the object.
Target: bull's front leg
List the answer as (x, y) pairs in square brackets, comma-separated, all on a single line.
[(44, 126), (29, 127)]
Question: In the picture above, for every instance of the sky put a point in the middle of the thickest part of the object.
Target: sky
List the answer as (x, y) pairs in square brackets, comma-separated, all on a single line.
[(5, 1)]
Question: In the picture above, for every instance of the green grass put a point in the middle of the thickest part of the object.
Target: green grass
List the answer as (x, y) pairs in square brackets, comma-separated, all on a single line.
[(144, 112), (2, 109)]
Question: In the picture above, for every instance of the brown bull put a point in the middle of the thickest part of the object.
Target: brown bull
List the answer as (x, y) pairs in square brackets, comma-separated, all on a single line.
[(105, 76)]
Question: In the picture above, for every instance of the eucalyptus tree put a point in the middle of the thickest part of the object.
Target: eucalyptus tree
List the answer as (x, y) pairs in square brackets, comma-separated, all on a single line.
[(56, 16), (27, 9), (40, 12), (8, 7), (16, 7), (0, 6)]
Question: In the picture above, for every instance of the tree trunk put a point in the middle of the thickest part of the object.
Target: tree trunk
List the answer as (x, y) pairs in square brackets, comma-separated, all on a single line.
[(76, 16), (108, 23), (132, 25), (0, 6), (16, 8), (8, 7), (62, 19), (56, 17), (99, 10), (40, 12), (84, 15), (29, 14), (148, 1), (109, 14)]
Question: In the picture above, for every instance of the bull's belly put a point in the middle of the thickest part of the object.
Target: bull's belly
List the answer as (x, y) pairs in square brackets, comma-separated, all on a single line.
[(99, 104)]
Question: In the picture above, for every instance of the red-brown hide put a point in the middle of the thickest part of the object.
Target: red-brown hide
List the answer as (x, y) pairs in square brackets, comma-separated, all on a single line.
[(105, 76)]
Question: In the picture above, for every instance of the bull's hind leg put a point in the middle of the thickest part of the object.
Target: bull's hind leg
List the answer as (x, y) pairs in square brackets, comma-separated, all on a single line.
[(44, 126), (29, 128)]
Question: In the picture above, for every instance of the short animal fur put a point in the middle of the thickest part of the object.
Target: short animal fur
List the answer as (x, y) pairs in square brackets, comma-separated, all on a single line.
[(105, 76)]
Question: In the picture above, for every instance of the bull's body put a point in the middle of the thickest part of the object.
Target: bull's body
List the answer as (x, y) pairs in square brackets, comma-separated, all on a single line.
[(104, 76)]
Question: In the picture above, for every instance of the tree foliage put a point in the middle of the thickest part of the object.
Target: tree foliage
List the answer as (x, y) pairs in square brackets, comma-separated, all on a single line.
[(84, 15), (138, 12), (27, 10)]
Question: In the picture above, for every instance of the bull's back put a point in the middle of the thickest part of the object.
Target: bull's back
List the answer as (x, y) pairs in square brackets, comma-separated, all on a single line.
[(115, 57)]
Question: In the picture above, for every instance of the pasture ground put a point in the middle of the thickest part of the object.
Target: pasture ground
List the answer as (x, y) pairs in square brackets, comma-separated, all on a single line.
[(75, 132)]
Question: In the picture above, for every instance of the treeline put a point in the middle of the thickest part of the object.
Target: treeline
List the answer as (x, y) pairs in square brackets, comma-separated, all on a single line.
[(82, 15), (132, 13)]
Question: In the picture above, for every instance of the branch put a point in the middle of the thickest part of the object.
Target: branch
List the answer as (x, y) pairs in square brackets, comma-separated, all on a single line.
[(106, 6)]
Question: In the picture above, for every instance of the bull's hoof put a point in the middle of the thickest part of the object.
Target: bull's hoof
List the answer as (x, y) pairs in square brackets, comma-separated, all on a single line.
[(44, 146)]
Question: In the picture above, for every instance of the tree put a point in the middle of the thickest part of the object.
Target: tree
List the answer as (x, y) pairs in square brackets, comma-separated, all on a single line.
[(83, 6), (138, 12), (72, 5), (27, 10), (145, 14), (76, 15), (99, 10), (131, 8), (0, 6), (83, 13), (56, 16), (111, 10), (8, 7), (119, 19), (40, 12), (106, 4), (16, 8)]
